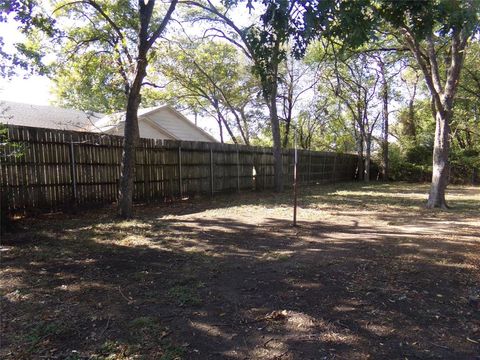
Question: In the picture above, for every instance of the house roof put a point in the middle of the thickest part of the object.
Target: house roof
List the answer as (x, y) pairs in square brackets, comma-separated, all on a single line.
[(110, 121), (46, 116), (51, 117)]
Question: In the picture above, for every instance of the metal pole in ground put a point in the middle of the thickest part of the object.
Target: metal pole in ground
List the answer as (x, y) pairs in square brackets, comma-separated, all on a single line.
[(295, 190)]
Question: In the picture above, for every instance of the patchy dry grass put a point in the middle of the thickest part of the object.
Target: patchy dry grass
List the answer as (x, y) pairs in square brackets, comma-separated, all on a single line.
[(369, 273)]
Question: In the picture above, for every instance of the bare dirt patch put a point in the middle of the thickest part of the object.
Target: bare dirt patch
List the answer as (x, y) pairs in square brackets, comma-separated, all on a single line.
[(369, 273)]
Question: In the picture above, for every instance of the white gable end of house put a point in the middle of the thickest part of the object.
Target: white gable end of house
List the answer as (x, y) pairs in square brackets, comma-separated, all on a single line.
[(146, 130), (161, 122), (177, 125)]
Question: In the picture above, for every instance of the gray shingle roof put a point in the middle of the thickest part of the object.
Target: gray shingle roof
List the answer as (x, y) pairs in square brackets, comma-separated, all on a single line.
[(46, 116)]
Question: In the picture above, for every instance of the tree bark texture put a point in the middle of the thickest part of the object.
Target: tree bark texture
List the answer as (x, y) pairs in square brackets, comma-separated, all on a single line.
[(271, 83), (385, 123), (368, 147), (130, 140), (277, 142), (146, 38), (441, 168), (442, 102), (360, 162)]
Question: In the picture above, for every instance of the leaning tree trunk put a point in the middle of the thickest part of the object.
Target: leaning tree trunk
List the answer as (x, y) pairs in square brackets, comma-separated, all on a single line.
[(130, 140), (220, 129), (441, 168)]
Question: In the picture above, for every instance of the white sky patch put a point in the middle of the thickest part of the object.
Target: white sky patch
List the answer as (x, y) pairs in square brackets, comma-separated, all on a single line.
[(33, 90)]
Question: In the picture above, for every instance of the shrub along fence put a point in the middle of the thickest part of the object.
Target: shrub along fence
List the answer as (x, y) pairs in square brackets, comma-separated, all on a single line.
[(54, 169)]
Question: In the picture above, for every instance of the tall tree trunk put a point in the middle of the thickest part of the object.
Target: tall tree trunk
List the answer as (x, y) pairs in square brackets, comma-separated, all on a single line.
[(287, 132), (476, 138), (288, 119), (130, 140), (410, 128), (360, 163), (146, 39), (442, 102), (441, 168), (385, 122), (270, 82), (277, 143), (368, 147)]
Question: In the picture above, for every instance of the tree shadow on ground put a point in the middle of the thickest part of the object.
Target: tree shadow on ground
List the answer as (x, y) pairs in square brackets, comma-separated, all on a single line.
[(238, 283)]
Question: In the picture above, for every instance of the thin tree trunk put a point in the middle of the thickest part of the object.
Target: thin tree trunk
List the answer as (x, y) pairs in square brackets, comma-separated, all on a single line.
[(287, 132), (223, 122), (385, 124), (368, 146), (360, 164), (245, 133), (411, 128), (476, 137), (229, 130), (220, 128)]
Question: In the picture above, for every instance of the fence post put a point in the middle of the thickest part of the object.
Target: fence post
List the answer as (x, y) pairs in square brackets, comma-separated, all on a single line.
[(73, 171), (180, 181), (309, 167), (264, 162), (146, 178), (211, 173), (238, 170), (334, 169)]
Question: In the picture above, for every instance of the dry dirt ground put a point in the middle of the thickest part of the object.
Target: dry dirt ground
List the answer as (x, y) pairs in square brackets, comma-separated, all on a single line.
[(369, 273)]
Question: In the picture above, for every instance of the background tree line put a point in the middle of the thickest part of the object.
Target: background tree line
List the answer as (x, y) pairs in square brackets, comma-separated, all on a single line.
[(398, 82)]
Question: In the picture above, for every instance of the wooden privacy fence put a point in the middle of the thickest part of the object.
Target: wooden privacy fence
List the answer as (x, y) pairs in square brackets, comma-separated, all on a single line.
[(57, 169)]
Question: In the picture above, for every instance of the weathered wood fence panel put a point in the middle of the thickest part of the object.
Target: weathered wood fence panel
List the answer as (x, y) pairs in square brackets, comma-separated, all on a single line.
[(60, 169)]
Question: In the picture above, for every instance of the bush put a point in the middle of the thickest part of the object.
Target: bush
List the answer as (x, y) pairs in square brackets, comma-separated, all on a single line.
[(401, 169), (465, 166), (415, 165)]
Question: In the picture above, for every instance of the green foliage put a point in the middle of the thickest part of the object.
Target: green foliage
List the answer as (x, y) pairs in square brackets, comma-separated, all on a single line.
[(403, 170), (95, 44), (465, 166), (354, 22), (211, 78), (88, 82), (266, 43), (34, 20), (8, 149), (411, 156)]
